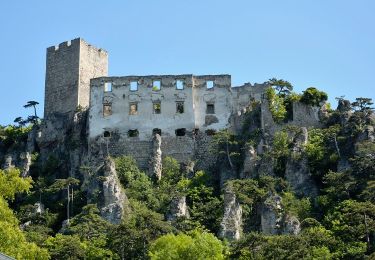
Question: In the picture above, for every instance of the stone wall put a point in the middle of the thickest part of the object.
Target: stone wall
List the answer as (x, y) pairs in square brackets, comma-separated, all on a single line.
[(182, 148), (69, 68), (303, 116), (132, 107)]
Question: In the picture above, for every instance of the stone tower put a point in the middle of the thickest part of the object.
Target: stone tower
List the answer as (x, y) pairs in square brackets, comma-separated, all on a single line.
[(69, 68)]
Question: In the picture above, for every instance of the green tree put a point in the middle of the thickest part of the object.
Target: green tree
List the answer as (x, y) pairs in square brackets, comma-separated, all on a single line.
[(88, 224), (65, 247), (68, 184), (353, 221), (362, 104), (13, 241), (205, 206), (276, 105), (227, 145), (196, 244), (32, 104), (130, 239), (282, 86), (20, 121), (137, 184), (312, 96)]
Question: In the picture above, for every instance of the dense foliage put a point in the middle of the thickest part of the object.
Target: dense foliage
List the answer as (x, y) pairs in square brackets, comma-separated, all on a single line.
[(338, 223)]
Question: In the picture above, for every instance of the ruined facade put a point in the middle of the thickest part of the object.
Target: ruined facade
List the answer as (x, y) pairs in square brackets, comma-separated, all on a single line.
[(124, 113)]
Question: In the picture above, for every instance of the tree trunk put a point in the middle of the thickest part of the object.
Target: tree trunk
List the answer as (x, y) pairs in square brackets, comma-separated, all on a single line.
[(229, 159), (34, 111), (367, 233), (67, 208), (337, 146)]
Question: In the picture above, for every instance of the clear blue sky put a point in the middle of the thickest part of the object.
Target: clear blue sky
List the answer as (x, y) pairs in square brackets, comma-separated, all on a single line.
[(329, 44)]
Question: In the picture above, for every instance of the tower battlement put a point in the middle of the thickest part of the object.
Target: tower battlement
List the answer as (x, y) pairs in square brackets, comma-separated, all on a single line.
[(69, 67)]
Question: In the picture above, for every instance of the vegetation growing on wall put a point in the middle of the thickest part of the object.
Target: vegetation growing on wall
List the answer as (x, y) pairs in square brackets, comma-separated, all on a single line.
[(276, 105), (313, 97), (338, 224)]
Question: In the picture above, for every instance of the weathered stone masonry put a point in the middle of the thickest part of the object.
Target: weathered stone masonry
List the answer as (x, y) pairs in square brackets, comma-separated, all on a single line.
[(124, 113)]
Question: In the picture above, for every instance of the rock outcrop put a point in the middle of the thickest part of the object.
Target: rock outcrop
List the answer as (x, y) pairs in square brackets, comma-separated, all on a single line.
[(297, 171), (291, 225), (250, 163), (114, 198), (231, 225), (178, 209), (156, 159), (274, 219), (271, 215)]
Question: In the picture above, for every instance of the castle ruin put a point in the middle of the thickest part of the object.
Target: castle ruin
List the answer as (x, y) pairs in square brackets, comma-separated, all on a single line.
[(126, 112)]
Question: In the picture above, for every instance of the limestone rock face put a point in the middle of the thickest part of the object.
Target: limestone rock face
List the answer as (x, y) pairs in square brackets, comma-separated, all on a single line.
[(231, 225), (21, 160), (188, 169), (178, 209), (274, 219), (291, 225), (297, 171), (367, 135), (113, 195), (250, 163), (271, 215), (156, 159), (8, 162), (39, 208)]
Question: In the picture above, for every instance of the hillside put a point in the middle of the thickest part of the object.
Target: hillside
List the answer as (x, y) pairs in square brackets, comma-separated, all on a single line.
[(291, 178)]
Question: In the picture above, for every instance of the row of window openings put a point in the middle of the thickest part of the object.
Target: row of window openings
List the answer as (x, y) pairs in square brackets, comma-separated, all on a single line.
[(178, 132), (156, 107), (156, 85)]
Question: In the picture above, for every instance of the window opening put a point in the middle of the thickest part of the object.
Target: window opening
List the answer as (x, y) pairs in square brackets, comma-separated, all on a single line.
[(180, 132), (133, 108), (133, 133), (210, 109), (107, 110), (157, 107), (179, 84), (107, 134), (209, 84), (133, 85), (180, 107), (156, 85), (107, 87), (156, 131)]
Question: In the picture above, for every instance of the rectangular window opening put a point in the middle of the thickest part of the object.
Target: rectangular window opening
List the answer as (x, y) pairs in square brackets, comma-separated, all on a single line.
[(156, 107), (133, 85), (210, 109), (133, 133), (108, 87), (180, 107), (179, 84), (107, 110), (209, 84), (156, 131), (156, 85), (180, 132), (133, 108)]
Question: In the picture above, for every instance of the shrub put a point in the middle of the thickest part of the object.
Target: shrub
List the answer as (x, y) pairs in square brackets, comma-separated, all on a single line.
[(312, 96), (276, 105)]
